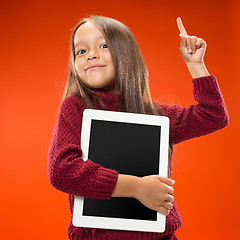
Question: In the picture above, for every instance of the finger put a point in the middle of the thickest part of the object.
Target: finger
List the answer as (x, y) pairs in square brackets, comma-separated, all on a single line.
[(167, 205), (167, 191), (162, 210), (181, 28), (165, 180), (200, 43), (169, 198), (189, 49), (183, 41), (193, 41), (170, 190)]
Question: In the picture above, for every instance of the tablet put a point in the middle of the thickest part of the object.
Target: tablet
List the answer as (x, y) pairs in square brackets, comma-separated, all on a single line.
[(130, 143)]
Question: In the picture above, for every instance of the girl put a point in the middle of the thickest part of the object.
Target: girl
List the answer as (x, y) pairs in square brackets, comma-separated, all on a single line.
[(107, 71)]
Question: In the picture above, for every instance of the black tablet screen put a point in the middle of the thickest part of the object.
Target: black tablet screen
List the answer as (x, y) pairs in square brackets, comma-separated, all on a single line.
[(129, 149)]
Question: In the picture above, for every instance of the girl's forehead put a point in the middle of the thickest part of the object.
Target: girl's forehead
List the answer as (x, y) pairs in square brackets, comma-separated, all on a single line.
[(87, 32)]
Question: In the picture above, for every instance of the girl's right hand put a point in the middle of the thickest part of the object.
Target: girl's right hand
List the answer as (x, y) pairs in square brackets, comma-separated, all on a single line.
[(155, 192)]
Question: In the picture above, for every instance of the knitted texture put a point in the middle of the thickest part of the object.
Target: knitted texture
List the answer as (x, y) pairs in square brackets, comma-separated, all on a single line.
[(68, 172)]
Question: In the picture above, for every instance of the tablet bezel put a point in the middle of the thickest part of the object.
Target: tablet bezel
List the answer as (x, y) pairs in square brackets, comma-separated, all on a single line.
[(80, 220)]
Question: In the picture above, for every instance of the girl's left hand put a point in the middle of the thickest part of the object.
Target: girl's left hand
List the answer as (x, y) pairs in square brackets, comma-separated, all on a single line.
[(192, 48)]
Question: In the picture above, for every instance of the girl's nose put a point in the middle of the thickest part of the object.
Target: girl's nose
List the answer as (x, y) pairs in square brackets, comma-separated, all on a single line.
[(92, 55)]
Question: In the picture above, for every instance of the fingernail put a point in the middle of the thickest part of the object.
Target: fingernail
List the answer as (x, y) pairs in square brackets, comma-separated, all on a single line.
[(173, 181), (189, 51)]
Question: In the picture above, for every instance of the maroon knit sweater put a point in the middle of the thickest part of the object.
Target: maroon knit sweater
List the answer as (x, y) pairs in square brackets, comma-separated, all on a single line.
[(68, 172)]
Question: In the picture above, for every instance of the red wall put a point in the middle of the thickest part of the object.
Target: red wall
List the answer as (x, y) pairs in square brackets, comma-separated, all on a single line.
[(34, 61)]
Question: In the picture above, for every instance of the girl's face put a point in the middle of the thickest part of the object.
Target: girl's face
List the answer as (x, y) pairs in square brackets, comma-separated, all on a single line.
[(93, 61)]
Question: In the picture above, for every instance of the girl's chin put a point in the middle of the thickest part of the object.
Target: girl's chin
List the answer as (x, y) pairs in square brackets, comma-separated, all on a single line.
[(99, 87)]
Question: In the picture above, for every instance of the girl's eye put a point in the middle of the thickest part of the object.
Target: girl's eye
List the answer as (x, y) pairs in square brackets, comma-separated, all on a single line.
[(81, 52), (103, 46)]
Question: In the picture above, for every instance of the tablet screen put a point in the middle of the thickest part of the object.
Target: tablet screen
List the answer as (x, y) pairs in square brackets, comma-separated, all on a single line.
[(128, 148)]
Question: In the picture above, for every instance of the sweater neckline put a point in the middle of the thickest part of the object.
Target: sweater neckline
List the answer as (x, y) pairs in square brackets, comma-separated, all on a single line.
[(109, 99), (105, 95)]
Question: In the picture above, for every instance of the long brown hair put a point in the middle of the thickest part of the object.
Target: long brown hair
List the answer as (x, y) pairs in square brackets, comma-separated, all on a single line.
[(131, 71), (132, 80)]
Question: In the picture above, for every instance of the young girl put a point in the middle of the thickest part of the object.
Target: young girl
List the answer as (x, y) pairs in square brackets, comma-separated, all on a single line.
[(107, 71)]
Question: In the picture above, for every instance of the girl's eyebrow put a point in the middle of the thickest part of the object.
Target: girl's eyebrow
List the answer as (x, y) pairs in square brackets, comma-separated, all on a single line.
[(81, 42)]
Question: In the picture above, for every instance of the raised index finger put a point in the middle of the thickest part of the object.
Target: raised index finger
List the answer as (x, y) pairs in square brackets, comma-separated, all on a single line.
[(181, 28)]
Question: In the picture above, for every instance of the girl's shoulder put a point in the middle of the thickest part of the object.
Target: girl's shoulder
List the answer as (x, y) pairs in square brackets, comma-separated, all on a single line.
[(161, 107), (72, 103)]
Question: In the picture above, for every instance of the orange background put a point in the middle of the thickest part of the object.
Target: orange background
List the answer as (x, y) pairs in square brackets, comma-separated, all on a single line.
[(34, 62)]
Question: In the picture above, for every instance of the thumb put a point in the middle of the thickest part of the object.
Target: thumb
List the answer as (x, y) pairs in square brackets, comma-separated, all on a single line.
[(165, 180)]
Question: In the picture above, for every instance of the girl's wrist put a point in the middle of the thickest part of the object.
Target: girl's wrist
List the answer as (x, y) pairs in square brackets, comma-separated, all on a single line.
[(197, 70), (126, 186)]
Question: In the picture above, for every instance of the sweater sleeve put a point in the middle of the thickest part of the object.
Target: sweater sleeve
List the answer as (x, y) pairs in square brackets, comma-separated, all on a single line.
[(207, 116), (66, 169)]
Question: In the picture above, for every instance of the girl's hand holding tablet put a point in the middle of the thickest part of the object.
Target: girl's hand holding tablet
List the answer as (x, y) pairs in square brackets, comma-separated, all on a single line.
[(155, 192)]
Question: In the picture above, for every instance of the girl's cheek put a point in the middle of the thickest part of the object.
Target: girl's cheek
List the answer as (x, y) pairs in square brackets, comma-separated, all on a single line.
[(77, 65), (76, 69)]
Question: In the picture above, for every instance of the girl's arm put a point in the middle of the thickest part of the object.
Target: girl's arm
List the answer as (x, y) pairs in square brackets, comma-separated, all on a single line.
[(210, 113), (67, 171), (207, 116), (197, 70)]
